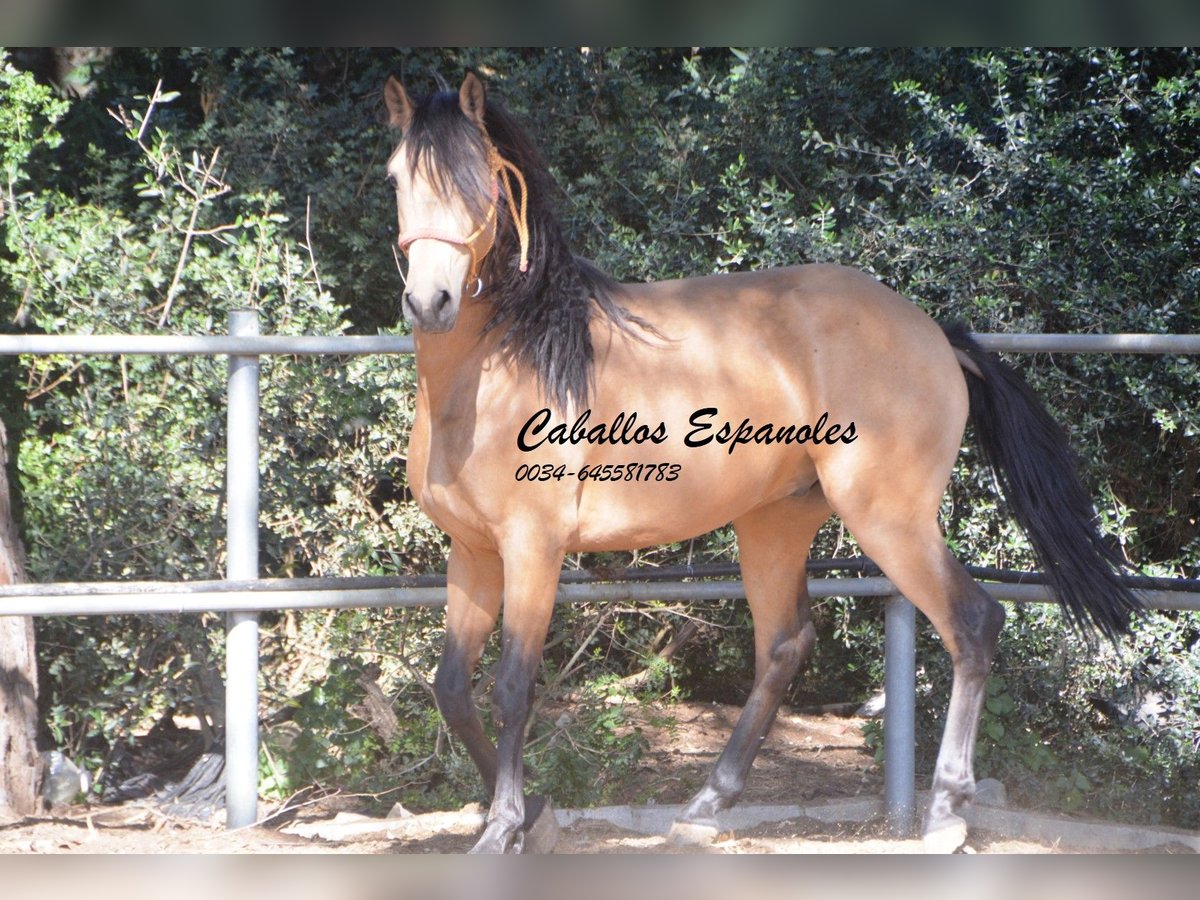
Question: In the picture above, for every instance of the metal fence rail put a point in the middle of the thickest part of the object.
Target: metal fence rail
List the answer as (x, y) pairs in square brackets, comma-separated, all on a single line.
[(241, 597), (234, 344), (109, 598)]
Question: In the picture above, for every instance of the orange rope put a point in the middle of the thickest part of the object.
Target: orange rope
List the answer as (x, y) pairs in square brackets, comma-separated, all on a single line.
[(520, 220), (500, 167)]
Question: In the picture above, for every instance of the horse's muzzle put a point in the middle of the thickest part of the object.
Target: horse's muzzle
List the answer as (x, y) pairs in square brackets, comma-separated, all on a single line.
[(434, 316)]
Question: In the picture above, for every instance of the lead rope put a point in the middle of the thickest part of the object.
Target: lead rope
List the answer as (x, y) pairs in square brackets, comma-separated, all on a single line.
[(520, 221), (501, 168)]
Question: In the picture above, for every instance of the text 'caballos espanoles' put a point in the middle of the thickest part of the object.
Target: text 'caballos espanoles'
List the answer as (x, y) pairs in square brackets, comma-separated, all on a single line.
[(706, 426)]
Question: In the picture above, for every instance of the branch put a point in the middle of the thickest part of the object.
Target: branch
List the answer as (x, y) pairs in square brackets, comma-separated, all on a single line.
[(308, 242), (682, 636), (199, 198)]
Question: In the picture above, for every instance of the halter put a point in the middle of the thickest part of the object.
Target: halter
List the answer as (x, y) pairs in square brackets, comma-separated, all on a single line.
[(480, 241)]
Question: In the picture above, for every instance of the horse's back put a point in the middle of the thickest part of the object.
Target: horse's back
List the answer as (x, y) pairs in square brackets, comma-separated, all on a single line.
[(834, 331)]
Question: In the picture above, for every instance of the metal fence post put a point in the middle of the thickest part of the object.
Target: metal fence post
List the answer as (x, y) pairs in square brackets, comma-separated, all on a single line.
[(899, 715), (241, 639)]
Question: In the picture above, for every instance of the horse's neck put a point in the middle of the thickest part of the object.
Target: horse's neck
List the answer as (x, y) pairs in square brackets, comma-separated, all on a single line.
[(444, 359)]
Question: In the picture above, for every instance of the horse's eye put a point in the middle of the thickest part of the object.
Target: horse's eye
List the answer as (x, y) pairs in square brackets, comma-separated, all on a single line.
[(391, 180)]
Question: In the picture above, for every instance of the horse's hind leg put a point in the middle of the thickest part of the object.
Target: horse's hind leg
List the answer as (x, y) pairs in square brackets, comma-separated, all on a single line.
[(773, 543), (474, 586), (968, 620)]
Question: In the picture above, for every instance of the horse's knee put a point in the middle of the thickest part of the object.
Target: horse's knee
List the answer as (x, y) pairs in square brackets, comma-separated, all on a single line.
[(452, 691), (513, 694)]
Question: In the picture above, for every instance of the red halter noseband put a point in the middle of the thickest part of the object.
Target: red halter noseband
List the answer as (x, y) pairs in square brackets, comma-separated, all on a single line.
[(480, 241)]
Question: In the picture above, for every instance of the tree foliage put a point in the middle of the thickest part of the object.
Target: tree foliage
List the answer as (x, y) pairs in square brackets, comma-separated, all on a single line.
[(1018, 190)]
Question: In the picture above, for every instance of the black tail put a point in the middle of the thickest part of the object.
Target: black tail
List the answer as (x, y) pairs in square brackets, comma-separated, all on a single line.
[(1038, 474)]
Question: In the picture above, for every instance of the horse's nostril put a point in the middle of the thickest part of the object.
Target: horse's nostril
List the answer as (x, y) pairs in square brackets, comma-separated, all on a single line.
[(442, 300)]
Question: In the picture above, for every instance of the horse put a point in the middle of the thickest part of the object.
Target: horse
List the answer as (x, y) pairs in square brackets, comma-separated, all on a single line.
[(559, 411)]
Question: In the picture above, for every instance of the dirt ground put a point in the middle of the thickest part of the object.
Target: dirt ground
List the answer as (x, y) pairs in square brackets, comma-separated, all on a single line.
[(807, 758)]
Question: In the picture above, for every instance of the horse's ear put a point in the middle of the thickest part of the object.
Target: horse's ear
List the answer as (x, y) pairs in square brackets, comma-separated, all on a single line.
[(399, 107), (472, 98)]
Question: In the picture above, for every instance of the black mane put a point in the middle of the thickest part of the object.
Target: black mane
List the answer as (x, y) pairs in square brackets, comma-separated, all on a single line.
[(544, 312)]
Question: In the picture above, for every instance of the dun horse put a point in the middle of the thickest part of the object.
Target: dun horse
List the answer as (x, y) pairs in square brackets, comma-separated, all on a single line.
[(559, 411)]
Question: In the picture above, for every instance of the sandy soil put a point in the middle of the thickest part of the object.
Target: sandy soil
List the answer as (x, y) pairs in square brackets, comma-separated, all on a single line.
[(807, 758)]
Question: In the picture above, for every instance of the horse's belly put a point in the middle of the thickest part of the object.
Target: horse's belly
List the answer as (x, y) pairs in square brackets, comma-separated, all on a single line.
[(686, 497)]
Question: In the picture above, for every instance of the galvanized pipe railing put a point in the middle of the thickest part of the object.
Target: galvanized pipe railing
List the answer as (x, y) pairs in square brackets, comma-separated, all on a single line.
[(241, 564), (352, 345), (108, 598), (244, 345)]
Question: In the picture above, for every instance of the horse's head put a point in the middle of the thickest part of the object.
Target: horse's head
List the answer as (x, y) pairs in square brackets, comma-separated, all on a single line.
[(446, 173)]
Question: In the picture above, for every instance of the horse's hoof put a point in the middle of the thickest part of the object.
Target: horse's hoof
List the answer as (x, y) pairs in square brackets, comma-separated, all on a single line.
[(537, 834), (541, 835), (945, 838), (692, 834), (497, 839)]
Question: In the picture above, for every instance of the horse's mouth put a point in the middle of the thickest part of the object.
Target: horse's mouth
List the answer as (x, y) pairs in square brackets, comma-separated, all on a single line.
[(430, 321)]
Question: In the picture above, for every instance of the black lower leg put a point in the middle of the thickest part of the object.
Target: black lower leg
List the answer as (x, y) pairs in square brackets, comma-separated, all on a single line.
[(728, 778), (452, 690), (976, 632), (511, 704)]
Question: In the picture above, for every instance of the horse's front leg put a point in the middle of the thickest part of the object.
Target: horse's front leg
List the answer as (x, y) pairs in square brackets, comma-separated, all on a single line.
[(474, 581), (531, 574)]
